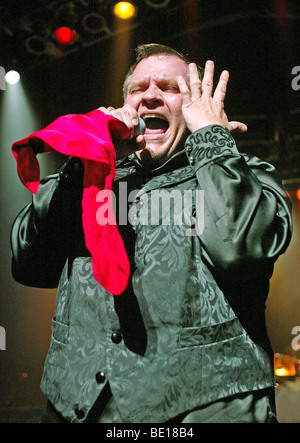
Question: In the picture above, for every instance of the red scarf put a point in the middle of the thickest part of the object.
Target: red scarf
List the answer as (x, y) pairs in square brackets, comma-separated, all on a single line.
[(89, 138)]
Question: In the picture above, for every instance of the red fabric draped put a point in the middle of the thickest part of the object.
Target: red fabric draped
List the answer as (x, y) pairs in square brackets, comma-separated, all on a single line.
[(87, 137)]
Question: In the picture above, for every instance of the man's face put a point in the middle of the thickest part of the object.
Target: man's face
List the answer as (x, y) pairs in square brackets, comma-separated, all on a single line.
[(153, 91)]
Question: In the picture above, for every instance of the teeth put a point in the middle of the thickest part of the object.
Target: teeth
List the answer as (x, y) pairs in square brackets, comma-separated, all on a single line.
[(145, 117)]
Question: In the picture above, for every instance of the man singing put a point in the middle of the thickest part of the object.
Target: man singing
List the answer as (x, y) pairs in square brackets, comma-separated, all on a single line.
[(184, 340)]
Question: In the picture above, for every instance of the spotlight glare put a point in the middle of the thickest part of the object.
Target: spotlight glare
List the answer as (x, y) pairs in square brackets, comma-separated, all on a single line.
[(124, 10), (298, 194), (12, 77), (64, 35)]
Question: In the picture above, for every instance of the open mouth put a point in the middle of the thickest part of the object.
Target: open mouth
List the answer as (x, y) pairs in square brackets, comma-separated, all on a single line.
[(156, 125)]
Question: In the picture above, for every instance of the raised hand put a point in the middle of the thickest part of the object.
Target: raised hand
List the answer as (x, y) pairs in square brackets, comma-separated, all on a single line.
[(200, 106)]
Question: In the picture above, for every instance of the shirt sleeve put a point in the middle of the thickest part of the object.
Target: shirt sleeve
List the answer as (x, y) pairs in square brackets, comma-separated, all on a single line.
[(48, 229), (247, 214)]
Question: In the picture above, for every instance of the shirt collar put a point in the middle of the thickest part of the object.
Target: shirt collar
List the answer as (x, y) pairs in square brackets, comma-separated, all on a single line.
[(177, 160)]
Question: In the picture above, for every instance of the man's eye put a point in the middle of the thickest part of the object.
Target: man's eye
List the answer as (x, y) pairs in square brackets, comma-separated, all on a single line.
[(170, 88), (135, 90)]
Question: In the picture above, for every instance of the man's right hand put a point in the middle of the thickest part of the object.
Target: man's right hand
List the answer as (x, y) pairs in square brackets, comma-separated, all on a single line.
[(128, 115)]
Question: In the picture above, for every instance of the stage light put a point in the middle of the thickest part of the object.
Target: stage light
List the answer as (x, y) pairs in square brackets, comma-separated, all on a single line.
[(94, 23), (37, 45), (124, 10), (298, 194), (64, 35), (12, 77), (285, 365), (157, 3)]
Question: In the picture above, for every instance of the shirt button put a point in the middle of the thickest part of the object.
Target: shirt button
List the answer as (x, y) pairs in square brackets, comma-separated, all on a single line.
[(79, 414), (116, 337), (191, 160), (100, 377)]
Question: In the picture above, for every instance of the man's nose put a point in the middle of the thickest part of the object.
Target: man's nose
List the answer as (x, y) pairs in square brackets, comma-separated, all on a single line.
[(152, 95)]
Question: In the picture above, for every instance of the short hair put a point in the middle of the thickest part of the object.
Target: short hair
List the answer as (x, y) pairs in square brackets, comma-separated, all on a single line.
[(145, 51)]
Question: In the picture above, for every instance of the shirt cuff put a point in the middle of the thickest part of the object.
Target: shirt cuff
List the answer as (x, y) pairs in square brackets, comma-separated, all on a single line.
[(209, 143)]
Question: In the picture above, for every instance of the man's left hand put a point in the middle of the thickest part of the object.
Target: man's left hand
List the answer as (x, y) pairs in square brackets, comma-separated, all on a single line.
[(200, 106)]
